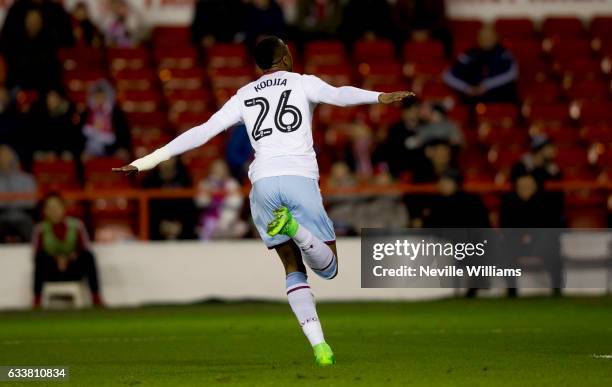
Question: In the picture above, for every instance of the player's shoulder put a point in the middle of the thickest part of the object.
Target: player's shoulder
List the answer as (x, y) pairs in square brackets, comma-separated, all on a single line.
[(281, 78)]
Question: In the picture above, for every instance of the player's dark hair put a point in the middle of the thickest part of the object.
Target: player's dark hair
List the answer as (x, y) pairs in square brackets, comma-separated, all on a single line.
[(268, 52)]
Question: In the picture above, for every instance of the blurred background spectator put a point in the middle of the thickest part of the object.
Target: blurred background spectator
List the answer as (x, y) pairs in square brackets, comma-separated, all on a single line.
[(423, 19), (171, 219), (366, 19), (263, 17), (221, 199), (15, 216), (317, 19), (84, 31), (62, 250), (218, 21), (123, 26), (105, 126), (487, 73)]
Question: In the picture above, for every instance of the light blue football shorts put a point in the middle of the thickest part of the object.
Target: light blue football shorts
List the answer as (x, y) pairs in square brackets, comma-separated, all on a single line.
[(301, 195)]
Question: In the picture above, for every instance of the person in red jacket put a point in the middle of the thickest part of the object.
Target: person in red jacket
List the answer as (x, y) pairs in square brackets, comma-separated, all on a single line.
[(62, 250)]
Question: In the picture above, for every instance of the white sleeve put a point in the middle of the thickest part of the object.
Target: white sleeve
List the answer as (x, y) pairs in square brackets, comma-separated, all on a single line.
[(229, 115), (318, 91)]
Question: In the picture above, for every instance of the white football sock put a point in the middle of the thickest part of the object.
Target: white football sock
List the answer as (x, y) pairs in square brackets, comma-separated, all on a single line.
[(317, 255), (302, 303)]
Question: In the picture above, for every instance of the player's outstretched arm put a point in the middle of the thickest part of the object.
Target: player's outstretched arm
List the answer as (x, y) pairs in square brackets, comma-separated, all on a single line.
[(319, 91), (227, 116)]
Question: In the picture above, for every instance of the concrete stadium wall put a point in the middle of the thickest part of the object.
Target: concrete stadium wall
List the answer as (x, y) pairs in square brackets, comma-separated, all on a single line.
[(138, 273)]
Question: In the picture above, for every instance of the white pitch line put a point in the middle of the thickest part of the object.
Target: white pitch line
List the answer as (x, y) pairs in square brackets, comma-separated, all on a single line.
[(602, 356)]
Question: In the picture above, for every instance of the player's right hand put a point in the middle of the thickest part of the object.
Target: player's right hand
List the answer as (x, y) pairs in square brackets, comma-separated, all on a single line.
[(396, 96), (127, 169)]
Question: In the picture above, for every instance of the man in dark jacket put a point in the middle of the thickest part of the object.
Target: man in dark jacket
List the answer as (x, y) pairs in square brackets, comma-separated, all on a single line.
[(487, 73)]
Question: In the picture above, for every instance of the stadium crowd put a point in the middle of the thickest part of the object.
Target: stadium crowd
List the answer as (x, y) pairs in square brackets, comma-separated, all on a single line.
[(507, 102)]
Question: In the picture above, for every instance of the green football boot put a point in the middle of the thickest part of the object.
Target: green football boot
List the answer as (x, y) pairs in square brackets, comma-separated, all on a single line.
[(283, 223), (323, 355)]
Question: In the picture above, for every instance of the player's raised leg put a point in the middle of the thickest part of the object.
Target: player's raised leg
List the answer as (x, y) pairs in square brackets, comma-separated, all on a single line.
[(318, 255), (302, 302)]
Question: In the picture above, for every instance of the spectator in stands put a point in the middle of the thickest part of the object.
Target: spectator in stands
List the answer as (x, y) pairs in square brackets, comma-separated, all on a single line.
[(398, 149), (341, 208), (366, 19), (123, 27), (423, 19), (360, 149), (453, 207), (30, 52), (105, 126), (84, 30), (263, 17), (437, 126), (218, 21), (62, 250), (318, 19), (487, 73), (171, 219), (56, 128), (221, 199), (438, 157), (13, 127), (15, 216), (540, 161), (528, 208)]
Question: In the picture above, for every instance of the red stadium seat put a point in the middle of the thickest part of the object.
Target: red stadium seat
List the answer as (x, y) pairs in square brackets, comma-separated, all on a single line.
[(598, 134), (498, 136), (171, 36), (547, 114), (378, 73), (325, 52), (81, 58), (595, 113), (540, 92), (384, 115), (601, 27), (498, 115), (176, 57), (196, 101), (525, 50), (572, 157), (466, 30), (337, 75), (53, 175), (590, 90), (146, 142), (135, 79), (435, 91), (182, 79), (143, 122), (580, 69), (425, 71), (562, 26), (99, 174), (231, 77), (503, 157), (76, 81), (514, 28), (561, 135), (140, 101), (132, 58), (374, 50), (227, 55), (424, 51), (188, 119), (563, 50)]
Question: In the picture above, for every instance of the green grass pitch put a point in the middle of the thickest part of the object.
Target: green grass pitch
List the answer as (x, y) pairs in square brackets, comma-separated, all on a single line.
[(535, 342)]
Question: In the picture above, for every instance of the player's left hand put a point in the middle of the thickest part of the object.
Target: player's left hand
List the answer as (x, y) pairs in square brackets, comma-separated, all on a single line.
[(396, 96), (127, 169)]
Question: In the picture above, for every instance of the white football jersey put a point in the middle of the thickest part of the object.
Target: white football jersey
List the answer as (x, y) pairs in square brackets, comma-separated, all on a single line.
[(277, 111)]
